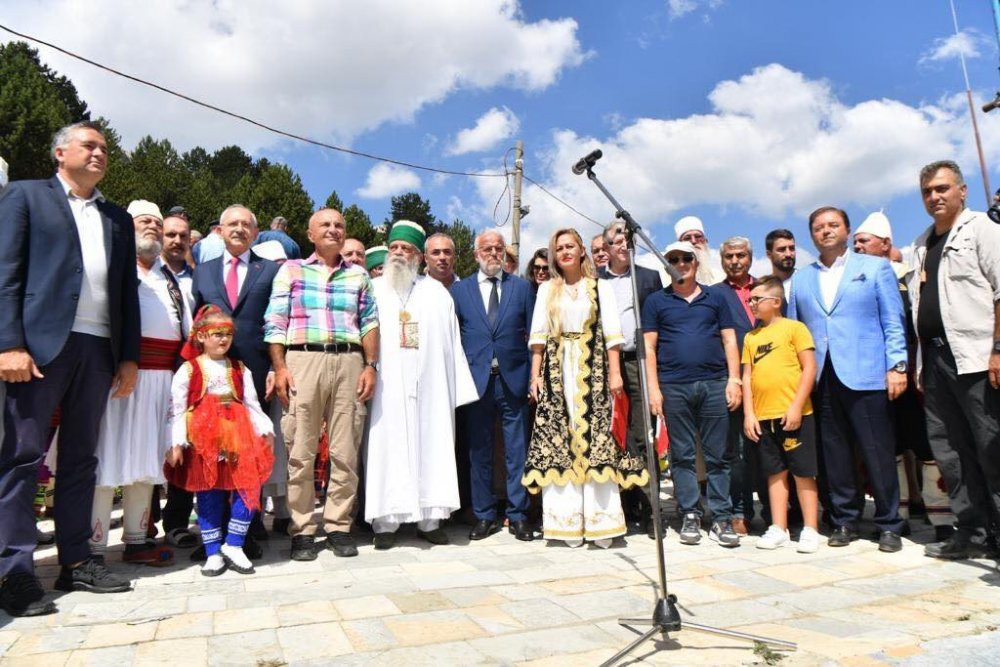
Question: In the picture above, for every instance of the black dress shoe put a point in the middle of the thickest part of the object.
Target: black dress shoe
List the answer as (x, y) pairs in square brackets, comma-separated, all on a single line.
[(21, 595), (521, 530), (383, 541), (198, 555), (436, 536), (341, 544), (93, 576), (252, 550), (303, 548), (484, 528), (957, 547), (842, 536), (257, 529), (943, 533), (890, 542), (280, 526)]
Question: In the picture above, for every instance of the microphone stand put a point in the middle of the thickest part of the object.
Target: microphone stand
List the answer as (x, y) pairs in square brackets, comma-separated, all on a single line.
[(666, 618)]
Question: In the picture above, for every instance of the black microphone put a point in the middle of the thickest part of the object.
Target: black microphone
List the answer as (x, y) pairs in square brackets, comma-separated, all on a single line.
[(587, 161), (989, 106)]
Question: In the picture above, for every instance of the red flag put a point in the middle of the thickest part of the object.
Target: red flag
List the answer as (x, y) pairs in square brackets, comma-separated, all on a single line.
[(619, 419), (662, 438)]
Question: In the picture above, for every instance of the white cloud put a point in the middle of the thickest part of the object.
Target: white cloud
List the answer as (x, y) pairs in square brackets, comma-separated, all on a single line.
[(678, 8), (489, 131), (385, 180), (966, 43), (775, 143), (331, 70)]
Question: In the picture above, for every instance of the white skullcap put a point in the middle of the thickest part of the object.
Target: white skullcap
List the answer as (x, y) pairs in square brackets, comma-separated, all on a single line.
[(143, 207), (272, 250), (876, 224), (686, 224)]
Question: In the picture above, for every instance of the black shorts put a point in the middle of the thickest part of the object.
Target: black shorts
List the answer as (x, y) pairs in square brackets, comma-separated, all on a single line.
[(782, 450)]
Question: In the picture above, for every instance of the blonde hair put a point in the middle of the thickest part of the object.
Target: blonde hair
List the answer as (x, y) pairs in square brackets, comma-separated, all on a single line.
[(557, 282)]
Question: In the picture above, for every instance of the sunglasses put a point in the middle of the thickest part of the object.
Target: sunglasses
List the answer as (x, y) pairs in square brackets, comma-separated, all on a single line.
[(538, 268), (677, 259)]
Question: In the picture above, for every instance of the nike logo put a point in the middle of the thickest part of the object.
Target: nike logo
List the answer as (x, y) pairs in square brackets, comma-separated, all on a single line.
[(762, 352)]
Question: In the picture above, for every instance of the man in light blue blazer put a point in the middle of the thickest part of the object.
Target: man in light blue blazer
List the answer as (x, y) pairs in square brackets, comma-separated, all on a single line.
[(494, 312), (852, 307)]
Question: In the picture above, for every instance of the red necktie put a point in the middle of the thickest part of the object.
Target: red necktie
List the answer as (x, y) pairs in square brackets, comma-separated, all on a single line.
[(233, 282)]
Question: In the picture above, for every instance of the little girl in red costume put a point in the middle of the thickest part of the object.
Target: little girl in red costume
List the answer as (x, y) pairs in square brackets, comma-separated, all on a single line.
[(222, 440)]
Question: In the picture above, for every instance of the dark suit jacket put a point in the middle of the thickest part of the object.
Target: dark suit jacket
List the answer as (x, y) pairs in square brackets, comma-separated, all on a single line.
[(41, 272), (647, 281), (249, 347), (743, 323), (507, 342)]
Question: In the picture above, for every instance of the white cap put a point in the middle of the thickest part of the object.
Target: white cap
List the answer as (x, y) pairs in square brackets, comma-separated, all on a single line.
[(143, 207), (686, 224), (272, 250), (876, 224), (679, 246)]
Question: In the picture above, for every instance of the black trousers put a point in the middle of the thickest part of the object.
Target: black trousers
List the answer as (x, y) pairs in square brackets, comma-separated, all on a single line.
[(963, 426), (78, 381), (635, 501), (864, 417)]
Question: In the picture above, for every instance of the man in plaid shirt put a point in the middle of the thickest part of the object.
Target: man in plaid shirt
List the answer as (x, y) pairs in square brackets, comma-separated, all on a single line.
[(322, 329)]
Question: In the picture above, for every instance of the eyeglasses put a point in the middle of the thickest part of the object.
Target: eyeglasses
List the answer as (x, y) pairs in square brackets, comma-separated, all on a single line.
[(758, 299), (677, 259), (539, 268), (492, 250)]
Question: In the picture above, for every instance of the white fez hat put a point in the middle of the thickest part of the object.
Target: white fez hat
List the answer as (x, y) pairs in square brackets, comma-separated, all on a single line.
[(686, 224), (272, 250), (876, 224), (143, 207)]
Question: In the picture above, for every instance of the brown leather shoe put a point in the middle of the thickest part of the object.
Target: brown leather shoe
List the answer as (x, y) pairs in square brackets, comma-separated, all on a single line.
[(740, 526)]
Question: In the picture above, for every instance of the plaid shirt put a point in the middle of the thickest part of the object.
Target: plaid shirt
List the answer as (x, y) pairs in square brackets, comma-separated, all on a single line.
[(313, 303)]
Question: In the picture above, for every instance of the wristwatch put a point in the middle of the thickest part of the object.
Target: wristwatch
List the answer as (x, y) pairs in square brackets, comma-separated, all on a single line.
[(996, 347), (900, 367), (372, 364)]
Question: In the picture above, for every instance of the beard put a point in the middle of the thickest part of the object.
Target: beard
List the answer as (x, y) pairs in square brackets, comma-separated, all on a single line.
[(704, 274), (400, 273), (147, 249), (491, 267)]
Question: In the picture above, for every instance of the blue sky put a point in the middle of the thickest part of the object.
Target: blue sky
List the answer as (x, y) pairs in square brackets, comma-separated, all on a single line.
[(748, 114)]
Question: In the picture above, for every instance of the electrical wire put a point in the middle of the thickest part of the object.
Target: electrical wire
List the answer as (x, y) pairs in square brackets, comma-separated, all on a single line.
[(251, 121), (564, 203)]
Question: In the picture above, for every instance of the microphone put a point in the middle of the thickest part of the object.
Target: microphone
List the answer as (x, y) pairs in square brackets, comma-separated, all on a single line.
[(988, 107), (587, 161)]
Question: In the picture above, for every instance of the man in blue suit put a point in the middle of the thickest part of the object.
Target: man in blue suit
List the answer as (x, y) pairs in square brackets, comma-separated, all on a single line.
[(239, 283), (852, 307), (494, 310), (69, 336)]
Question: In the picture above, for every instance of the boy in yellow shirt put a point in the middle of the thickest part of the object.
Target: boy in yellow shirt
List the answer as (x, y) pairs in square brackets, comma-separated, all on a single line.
[(779, 371)]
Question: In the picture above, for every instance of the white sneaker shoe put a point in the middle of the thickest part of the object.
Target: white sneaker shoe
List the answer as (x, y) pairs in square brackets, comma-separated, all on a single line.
[(773, 538), (808, 541), (236, 559), (214, 566)]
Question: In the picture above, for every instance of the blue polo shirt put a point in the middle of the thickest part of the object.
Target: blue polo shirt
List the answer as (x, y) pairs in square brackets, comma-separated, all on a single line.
[(689, 345)]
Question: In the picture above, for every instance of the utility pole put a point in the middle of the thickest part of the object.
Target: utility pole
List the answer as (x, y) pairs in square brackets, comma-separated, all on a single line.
[(515, 237), (972, 114)]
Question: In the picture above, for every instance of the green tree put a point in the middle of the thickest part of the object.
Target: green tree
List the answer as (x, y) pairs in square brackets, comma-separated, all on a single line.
[(413, 207), (359, 226), (204, 200), (117, 182), (34, 104), (334, 201), (157, 173), (229, 164), (465, 239), (278, 191)]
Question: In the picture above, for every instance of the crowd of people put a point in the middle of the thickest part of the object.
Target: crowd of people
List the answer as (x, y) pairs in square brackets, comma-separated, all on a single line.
[(234, 375)]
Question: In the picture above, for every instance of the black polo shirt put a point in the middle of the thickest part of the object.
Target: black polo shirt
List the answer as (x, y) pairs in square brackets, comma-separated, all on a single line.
[(689, 345)]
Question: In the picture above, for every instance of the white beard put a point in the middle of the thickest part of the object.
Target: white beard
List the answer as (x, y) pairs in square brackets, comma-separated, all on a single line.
[(148, 249), (400, 274)]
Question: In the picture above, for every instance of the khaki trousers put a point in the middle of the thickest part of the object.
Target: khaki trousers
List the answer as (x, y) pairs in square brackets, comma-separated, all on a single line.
[(325, 390)]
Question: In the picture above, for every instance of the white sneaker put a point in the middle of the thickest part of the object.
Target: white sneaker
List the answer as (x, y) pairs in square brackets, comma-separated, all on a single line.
[(214, 566), (773, 538), (808, 541), (236, 559)]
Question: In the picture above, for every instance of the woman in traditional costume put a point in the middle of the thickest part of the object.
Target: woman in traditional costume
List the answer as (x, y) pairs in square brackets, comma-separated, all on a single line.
[(575, 370), (222, 440)]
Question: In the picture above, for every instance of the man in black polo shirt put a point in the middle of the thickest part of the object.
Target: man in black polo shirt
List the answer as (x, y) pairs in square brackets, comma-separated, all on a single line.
[(693, 369)]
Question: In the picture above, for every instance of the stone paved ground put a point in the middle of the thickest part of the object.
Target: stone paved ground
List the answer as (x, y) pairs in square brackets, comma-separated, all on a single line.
[(500, 601)]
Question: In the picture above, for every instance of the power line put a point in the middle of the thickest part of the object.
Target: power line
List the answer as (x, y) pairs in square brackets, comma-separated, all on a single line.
[(251, 121), (564, 203)]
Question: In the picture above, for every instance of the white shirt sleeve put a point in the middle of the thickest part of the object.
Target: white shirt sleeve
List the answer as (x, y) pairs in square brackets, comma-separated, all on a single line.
[(261, 422), (178, 406), (610, 322), (540, 318)]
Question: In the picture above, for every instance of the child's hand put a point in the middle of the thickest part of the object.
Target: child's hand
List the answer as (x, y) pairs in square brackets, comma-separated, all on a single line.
[(792, 419), (175, 455), (751, 427)]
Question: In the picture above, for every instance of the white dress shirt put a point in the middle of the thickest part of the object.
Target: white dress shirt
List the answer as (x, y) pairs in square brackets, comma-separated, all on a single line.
[(622, 287), (92, 314), (830, 277), (241, 268), (486, 287)]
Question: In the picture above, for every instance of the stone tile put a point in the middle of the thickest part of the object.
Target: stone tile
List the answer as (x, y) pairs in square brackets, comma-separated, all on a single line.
[(366, 607), (286, 582), (369, 634), (539, 613), (433, 627), (735, 612), (752, 583), (895, 584), (410, 603), (493, 619), (40, 660), (198, 603), (517, 592), (244, 648), (602, 604), (536, 644), (191, 651), (318, 641), (800, 575), (99, 657), (7, 639), (448, 567), (43, 641), (244, 620), (464, 580), (469, 597), (819, 599), (135, 609), (198, 624), (450, 653), (119, 634), (573, 585), (313, 611)]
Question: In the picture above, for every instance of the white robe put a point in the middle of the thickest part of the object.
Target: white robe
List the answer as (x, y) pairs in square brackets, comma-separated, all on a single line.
[(410, 473)]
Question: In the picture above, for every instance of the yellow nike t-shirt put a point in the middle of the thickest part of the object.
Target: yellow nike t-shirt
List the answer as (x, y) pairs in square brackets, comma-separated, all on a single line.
[(772, 353)]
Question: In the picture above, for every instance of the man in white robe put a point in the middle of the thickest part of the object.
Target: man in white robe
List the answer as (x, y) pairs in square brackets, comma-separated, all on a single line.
[(410, 473)]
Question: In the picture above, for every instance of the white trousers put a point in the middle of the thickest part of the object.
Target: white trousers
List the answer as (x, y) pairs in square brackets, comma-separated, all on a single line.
[(135, 504), (390, 525), (575, 512)]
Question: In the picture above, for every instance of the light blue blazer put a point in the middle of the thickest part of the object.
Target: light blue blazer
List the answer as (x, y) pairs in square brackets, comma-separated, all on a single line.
[(863, 331)]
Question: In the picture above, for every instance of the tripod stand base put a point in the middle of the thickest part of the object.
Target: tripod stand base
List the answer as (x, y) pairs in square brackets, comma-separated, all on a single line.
[(666, 619)]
